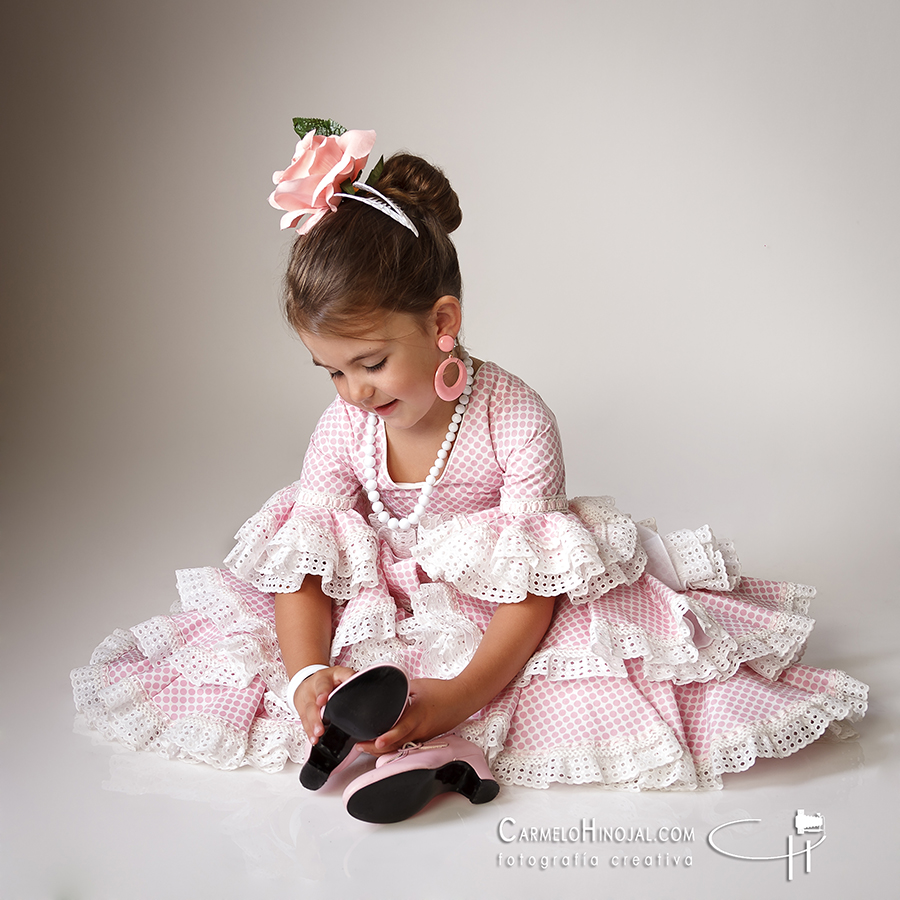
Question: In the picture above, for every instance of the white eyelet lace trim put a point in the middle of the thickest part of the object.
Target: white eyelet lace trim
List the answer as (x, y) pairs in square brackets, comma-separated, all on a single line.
[(363, 626), (360, 656), (205, 590), (558, 503), (654, 762), (122, 713), (657, 761), (702, 562), (250, 647), (798, 726), (324, 501), (275, 560), (571, 664), (585, 560), (446, 639), (769, 650)]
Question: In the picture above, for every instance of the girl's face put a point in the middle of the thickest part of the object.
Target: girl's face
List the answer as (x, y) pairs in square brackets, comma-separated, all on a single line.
[(390, 371)]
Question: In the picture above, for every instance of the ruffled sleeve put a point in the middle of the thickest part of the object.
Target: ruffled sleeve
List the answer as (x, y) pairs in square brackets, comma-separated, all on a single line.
[(313, 527), (501, 557), (532, 541)]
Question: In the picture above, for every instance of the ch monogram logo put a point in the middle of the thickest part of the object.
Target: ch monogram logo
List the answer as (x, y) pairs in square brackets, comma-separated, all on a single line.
[(804, 823)]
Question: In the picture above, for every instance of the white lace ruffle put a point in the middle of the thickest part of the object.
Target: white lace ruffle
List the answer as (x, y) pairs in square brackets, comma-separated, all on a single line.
[(502, 558), (702, 562), (654, 762), (446, 639), (335, 544), (616, 539), (368, 653), (205, 590), (122, 713), (798, 726), (234, 662), (571, 664), (769, 650), (250, 645), (690, 559), (657, 761), (364, 624)]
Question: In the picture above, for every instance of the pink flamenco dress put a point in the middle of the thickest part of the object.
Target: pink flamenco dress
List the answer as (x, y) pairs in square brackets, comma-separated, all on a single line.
[(662, 668)]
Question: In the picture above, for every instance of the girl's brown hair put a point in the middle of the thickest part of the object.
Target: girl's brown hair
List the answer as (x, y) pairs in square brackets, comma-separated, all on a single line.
[(357, 264)]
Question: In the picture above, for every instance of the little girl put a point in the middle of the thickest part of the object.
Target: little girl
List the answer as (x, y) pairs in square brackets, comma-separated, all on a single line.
[(501, 632)]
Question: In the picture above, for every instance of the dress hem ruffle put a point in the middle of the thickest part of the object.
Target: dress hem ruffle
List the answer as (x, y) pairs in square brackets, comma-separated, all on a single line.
[(123, 713), (657, 760)]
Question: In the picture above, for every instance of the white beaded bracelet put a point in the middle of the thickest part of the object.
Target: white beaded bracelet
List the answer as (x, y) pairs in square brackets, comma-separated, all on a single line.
[(302, 675)]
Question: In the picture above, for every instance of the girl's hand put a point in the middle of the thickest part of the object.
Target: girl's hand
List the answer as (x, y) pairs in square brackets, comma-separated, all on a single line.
[(435, 707), (312, 695)]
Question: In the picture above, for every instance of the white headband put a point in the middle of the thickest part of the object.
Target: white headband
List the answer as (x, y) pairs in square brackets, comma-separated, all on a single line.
[(382, 204)]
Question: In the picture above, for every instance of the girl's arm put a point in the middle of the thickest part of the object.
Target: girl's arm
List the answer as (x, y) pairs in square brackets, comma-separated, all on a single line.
[(303, 627), (513, 634)]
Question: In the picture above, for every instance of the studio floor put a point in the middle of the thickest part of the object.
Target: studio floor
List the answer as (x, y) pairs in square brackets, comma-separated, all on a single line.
[(84, 820)]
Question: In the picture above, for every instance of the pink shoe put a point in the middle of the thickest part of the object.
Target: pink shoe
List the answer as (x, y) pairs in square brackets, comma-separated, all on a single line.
[(404, 782), (353, 754), (365, 706)]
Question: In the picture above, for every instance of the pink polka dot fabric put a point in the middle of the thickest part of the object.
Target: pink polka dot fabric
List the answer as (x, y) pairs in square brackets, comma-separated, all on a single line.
[(634, 686)]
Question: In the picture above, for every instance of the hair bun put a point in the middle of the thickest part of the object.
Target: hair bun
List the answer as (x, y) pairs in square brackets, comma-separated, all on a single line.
[(415, 183)]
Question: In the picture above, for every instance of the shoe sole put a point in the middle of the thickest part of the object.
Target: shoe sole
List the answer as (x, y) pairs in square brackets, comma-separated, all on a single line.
[(402, 795), (361, 711)]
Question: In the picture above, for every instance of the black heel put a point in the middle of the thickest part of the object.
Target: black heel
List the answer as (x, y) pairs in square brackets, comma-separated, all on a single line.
[(325, 756), (361, 709), (463, 779)]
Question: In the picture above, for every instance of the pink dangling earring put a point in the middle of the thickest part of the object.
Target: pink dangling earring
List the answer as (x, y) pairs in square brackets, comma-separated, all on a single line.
[(443, 390)]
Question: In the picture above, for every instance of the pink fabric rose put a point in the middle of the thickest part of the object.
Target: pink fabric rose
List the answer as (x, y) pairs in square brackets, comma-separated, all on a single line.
[(319, 167)]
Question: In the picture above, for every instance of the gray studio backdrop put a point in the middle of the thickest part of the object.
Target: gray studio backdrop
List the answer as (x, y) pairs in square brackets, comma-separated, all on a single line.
[(680, 226)]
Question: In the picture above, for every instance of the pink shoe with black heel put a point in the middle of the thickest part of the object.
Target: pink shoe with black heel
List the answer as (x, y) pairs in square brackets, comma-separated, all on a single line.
[(406, 781), (314, 774), (362, 708)]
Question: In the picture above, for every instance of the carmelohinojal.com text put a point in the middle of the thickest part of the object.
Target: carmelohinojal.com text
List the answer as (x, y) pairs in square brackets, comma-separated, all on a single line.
[(588, 832)]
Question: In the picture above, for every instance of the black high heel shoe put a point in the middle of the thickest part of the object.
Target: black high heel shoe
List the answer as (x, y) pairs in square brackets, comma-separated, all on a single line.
[(364, 707)]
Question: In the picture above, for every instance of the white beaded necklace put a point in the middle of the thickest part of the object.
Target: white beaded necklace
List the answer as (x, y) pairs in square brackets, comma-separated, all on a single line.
[(370, 474)]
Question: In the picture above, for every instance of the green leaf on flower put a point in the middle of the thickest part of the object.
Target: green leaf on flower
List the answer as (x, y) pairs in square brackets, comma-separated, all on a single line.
[(322, 127), (375, 174), (347, 187)]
